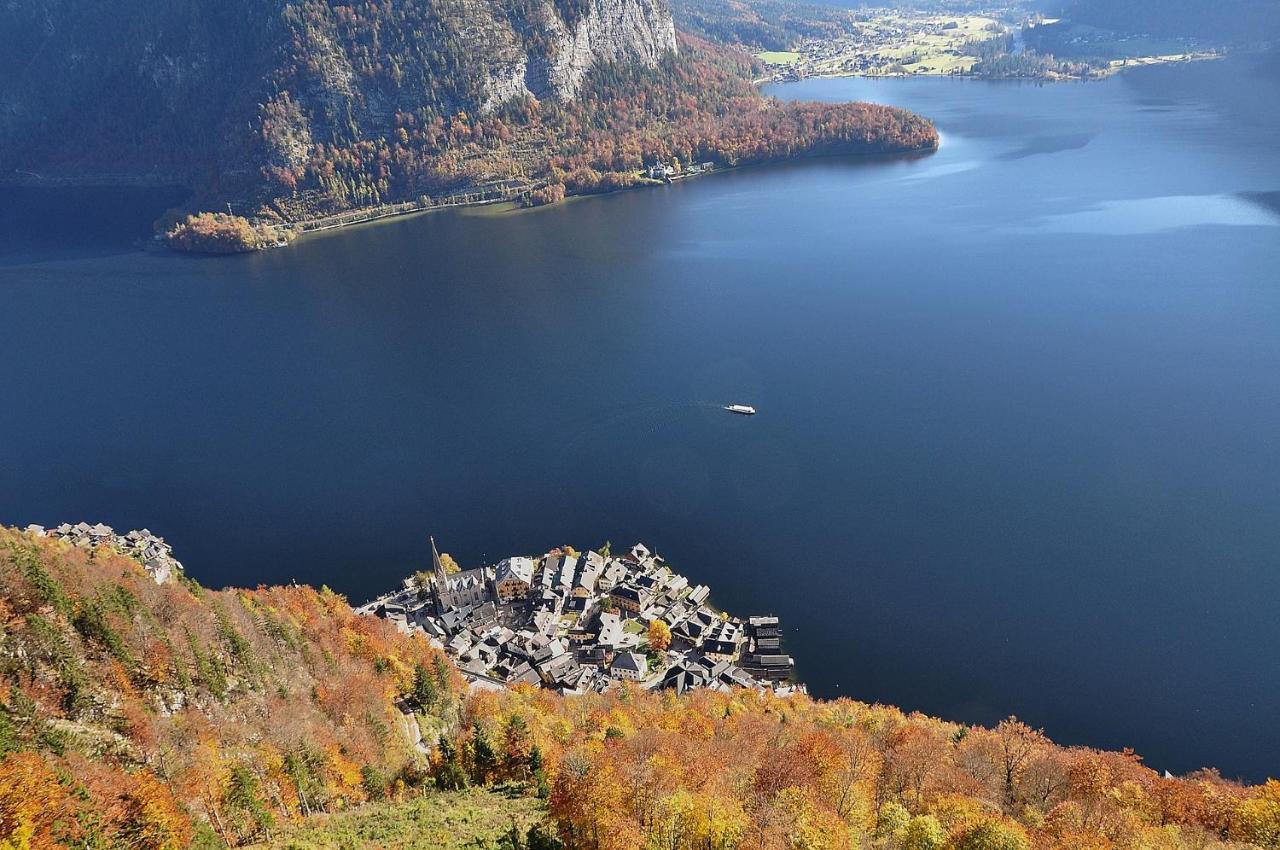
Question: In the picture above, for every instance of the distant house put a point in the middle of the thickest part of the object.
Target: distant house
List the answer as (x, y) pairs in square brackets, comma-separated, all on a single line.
[(512, 579), (568, 568), (614, 573), (723, 640), (631, 598), (610, 632), (629, 665), (585, 585)]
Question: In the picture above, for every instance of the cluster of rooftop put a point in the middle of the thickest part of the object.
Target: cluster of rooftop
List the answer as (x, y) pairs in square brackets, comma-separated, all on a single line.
[(672, 171), (580, 622), (143, 546)]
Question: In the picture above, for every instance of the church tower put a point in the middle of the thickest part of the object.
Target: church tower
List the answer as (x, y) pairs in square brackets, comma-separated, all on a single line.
[(442, 582)]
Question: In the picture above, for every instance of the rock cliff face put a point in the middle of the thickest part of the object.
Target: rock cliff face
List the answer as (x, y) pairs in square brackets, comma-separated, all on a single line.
[(182, 89), (610, 31)]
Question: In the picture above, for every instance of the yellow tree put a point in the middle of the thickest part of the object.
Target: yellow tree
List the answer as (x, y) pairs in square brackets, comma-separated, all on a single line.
[(1258, 818), (659, 636)]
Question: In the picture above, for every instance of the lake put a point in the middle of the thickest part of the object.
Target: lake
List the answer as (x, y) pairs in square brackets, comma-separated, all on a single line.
[(1019, 400)]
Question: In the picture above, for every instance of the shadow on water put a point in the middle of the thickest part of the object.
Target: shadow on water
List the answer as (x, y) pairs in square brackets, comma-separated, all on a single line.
[(40, 224), (1269, 201), (1049, 145)]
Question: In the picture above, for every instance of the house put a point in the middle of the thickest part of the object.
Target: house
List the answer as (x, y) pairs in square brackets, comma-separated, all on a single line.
[(611, 633), (568, 569), (629, 665), (524, 675), (615, 573), (631, 598), (512, 579), (770, 668), (585, 585), (693, 630), (764, 634), (556, 671), (723, 640)]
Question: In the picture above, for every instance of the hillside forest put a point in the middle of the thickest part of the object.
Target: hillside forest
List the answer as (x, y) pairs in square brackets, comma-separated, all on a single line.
[(290, 110), (143, 715)]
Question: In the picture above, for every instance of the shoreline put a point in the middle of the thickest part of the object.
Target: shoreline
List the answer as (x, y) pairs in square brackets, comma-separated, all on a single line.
[(1116, 67), (509, 205)]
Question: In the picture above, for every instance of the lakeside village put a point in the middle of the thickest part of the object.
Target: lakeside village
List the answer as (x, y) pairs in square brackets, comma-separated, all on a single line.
[(580, 622)]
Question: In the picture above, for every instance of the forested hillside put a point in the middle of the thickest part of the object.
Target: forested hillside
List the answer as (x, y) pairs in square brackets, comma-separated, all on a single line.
[(141, 715), (138, 715), (289, 109)]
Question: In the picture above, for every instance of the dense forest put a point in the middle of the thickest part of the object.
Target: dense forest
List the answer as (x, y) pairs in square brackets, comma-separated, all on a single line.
[(142, 715), (760, 24)]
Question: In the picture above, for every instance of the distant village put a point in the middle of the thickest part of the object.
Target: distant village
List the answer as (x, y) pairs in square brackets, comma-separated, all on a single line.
[(151, 551), (581, 622), (669, 172)]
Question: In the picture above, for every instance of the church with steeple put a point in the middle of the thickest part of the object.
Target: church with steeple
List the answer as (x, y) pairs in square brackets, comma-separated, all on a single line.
[(457, 590)]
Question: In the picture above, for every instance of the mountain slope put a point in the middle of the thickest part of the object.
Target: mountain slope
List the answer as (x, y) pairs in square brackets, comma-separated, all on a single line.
[(146, 715), (293, 109), (142, 84), (142, 715)]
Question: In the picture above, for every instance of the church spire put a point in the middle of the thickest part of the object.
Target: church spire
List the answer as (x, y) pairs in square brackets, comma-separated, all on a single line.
[(436, 566)]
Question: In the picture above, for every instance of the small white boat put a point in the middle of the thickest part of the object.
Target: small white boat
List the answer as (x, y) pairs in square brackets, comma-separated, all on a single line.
[(741, 409)]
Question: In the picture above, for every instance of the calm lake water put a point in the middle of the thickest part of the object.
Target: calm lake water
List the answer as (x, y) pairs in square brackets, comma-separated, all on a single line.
[(1019, 400)]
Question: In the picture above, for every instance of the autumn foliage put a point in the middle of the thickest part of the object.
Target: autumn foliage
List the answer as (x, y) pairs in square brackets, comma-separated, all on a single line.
[(145, 716), (634, 770), (222, 233), (696, 105)]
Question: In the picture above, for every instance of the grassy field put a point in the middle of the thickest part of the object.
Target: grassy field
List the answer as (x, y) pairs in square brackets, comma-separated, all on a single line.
[(778, 57), (936, 53), (904, 44), (457, 820)]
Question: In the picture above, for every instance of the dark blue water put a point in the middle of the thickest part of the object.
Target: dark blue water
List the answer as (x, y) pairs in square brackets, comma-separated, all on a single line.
[(1017, 449)]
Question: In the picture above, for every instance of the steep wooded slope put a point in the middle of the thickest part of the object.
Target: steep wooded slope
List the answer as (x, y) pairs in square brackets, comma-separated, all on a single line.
[(137, 715), (290, 109), (143, 88)]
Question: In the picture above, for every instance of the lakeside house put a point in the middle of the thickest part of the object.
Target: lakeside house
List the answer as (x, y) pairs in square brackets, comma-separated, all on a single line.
[(513, 577)]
